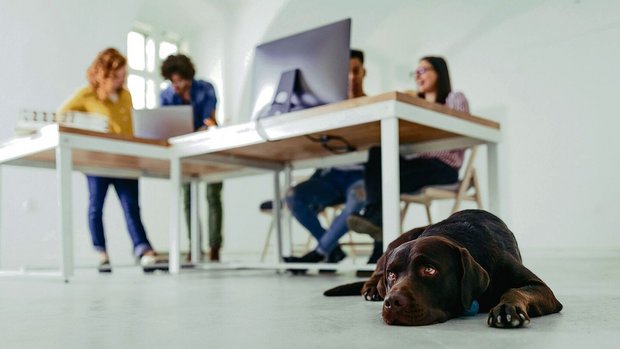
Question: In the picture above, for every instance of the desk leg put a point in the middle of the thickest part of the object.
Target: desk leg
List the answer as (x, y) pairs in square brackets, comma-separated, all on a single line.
[(494, 179), (175, 216), (65, 209), (288, 217), (390, 169), (194, 229), (1, 244), (277, 211)]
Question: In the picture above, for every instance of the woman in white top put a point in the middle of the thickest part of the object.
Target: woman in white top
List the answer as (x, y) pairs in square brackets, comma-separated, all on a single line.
[(418, 170)]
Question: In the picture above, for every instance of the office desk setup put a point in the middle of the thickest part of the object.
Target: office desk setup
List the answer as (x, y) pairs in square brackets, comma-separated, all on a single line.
[(285, 142), (276, 144)]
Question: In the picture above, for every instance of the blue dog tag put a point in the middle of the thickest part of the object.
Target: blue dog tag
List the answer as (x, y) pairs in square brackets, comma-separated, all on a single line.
[(473, 309)]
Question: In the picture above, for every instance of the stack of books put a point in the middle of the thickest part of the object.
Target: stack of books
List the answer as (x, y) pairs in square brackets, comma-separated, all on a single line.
[(31, 121)]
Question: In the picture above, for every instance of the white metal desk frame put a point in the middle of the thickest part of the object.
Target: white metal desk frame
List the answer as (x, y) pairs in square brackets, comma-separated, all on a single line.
[(296, 124), (63, 144)]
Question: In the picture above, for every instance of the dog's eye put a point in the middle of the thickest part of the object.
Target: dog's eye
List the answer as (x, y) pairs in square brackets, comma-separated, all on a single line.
[(391, 276), (429, 271)]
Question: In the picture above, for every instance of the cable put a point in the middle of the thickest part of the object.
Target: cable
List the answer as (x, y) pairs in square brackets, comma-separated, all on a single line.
[(327, 142)]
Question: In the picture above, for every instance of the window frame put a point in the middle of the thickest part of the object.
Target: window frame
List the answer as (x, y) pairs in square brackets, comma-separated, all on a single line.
[(154, 75)]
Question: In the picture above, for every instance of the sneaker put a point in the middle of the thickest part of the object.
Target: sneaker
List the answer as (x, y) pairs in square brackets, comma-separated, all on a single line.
[(335, 256), (148, 260), (367, 222), (310, 257), (105, 266)]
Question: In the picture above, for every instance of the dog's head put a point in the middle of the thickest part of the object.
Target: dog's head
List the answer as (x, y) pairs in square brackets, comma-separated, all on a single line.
[(429, 280)]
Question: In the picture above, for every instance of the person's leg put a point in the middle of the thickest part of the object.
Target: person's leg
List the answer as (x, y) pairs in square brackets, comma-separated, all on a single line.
[(414, 174), (97, 189), (187, 208), (127, 191), (214, 200), (307, 199), (355, 200), (372, 177)]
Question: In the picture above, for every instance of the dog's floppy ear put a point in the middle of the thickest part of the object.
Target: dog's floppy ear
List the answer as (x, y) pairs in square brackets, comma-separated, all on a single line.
[(475, 279), (381, 265)]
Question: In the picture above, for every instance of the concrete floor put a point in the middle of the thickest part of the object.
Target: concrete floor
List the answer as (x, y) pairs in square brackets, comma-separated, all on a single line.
[(262, 309)]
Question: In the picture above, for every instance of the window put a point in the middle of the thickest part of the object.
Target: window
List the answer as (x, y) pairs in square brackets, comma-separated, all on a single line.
[(145, 53)]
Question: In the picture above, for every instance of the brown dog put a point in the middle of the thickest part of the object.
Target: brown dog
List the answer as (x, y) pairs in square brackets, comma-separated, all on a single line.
[(432, 274)]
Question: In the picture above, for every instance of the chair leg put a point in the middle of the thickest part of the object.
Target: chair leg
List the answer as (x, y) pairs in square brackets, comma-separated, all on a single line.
[(267, 241), (427, 205), (403, 213), (477, 190)]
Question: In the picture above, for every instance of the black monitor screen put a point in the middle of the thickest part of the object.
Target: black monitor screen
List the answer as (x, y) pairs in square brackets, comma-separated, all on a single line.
[(313, 65)]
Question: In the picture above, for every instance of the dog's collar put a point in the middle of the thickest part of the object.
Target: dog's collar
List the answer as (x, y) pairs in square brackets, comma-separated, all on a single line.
[(473, 309)]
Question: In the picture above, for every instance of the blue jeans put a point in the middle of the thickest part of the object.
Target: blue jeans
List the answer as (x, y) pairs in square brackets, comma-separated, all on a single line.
[(327, 188), (127, 191)]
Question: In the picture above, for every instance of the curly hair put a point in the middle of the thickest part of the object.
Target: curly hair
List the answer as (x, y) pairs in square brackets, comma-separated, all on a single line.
[(102, 71), (178, 64)]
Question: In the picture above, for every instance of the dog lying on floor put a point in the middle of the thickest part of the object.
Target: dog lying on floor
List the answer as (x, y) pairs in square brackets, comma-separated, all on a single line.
[(466, 264)]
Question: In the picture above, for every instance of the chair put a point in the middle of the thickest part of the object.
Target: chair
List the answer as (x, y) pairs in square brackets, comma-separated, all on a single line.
[(467, 188), (328, 214)]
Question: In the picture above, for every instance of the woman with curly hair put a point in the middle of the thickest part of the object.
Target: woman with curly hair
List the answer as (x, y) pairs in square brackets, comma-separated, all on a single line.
[(106, 96)]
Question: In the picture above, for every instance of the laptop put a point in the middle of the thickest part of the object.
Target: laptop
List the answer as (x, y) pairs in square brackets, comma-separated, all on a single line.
[(163, 123)]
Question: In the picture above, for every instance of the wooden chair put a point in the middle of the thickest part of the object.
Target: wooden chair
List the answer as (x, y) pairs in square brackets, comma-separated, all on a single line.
[(467, 188), (328, 215)]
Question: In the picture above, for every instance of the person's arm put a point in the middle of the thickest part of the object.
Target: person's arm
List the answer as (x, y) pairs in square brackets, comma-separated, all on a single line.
[(211, 121), (210, 100), (75, 103), (165, 98)]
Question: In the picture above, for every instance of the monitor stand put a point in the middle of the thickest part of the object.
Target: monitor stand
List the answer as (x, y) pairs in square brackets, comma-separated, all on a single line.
[(290, 95)]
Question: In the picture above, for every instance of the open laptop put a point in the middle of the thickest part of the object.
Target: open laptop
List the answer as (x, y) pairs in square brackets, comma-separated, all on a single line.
[(163, 123)]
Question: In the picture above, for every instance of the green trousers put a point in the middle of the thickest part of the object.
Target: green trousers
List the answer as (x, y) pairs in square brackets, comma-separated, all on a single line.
[(214, 201)]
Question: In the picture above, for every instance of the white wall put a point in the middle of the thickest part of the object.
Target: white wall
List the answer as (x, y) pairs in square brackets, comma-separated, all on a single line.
[(547, 70)]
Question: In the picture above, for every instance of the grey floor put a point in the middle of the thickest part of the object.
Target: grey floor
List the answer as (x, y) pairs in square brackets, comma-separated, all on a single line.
[(262, 309)]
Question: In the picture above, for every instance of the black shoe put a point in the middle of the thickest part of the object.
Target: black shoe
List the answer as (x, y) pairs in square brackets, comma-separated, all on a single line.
[(369, 221), (377, 252), (310, 257), (335, 256), (105, 267)]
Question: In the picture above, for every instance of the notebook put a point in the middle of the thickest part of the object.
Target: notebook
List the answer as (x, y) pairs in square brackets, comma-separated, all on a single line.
[(163, 123)]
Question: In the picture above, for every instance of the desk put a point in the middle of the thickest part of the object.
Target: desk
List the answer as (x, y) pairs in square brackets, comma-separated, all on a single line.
[(67, 149), (280, 143), (273, 144)]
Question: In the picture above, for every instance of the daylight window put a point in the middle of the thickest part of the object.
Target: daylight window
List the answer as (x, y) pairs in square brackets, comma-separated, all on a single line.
[(145, 53)]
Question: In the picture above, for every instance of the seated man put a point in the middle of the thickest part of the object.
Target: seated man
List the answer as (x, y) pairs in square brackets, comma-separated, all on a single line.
[(329, 187)]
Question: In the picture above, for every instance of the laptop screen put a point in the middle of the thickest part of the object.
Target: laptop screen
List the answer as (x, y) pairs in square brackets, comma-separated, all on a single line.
[(163, 123)]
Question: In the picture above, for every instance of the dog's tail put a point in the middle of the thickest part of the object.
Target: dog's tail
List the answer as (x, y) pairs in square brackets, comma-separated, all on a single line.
[(353, 289)]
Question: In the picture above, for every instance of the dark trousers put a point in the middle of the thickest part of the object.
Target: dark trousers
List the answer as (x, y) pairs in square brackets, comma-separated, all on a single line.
[(127, 191), (414, 174), (214, 200)]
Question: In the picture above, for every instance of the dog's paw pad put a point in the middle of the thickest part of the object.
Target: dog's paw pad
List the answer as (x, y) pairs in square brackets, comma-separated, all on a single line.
[(507, 316)]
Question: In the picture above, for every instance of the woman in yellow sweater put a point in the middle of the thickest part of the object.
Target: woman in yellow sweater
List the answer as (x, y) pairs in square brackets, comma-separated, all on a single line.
[(107, 96)]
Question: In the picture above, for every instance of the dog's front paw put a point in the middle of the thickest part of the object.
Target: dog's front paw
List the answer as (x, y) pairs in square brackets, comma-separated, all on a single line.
[(508, 316), (371, 293)]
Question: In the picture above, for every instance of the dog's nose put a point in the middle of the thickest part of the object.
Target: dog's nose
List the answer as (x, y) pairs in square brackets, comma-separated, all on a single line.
[(394, 302)]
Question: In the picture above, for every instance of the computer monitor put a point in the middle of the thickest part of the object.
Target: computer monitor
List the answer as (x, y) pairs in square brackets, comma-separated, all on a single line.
[(301, 71)]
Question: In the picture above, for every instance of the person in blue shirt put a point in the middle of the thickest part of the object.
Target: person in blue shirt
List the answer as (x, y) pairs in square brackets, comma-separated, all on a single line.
[(200, 94)]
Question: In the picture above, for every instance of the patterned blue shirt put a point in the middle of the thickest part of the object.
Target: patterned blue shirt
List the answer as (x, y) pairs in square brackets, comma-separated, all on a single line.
[(202, 99)]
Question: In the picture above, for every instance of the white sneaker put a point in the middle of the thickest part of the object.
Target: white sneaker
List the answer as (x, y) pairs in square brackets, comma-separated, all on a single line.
[(147, 260)]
